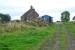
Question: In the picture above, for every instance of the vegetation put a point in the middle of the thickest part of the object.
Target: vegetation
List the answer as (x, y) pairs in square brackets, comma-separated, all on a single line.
[(71, 28), (38, 22), (62, 42), (62, 38), (24, 37), (65, 16), (4, 18), (74, 18)]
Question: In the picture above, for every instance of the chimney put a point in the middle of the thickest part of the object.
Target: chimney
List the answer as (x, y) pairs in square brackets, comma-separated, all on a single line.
[(32, 7)]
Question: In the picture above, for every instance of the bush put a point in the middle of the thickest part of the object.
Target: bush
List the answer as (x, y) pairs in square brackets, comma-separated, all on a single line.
[(4, 18)]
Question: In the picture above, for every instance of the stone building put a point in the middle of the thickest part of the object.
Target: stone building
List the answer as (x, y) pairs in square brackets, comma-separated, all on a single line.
[(30, 15)]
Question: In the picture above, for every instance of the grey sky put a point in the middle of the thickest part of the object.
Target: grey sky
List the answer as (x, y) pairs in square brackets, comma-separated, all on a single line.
[(50, 7)]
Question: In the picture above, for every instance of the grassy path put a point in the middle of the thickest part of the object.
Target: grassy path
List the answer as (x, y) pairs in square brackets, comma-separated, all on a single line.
[(57, 38), (54, 43), (62, 40), (70, 42)]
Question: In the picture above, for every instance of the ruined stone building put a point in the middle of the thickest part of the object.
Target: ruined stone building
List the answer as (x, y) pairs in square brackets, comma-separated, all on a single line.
[(30, 15)]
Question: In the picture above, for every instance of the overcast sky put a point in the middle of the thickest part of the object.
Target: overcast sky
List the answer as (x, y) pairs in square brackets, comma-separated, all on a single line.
[(54, 8)]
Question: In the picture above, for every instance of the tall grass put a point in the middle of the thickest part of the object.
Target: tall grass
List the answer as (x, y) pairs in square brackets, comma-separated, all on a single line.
[(13, 26), (24, 37)]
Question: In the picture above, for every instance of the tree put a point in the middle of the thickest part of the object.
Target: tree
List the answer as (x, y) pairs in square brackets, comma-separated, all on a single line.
[(74, 18), (65, 16), (5, 18)]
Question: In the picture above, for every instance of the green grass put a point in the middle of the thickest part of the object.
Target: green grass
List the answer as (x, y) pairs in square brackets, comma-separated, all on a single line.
[(62, 41), (71, 28), (62, 38), (25, 39)]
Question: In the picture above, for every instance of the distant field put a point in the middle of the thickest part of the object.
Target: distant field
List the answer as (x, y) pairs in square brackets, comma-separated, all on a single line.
[(29, 38)]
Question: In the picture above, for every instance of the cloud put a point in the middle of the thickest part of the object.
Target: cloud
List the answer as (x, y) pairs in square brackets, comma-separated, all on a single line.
[(50, 7)]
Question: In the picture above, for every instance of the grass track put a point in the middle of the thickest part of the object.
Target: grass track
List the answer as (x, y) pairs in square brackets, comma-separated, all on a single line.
[(71, 27)]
